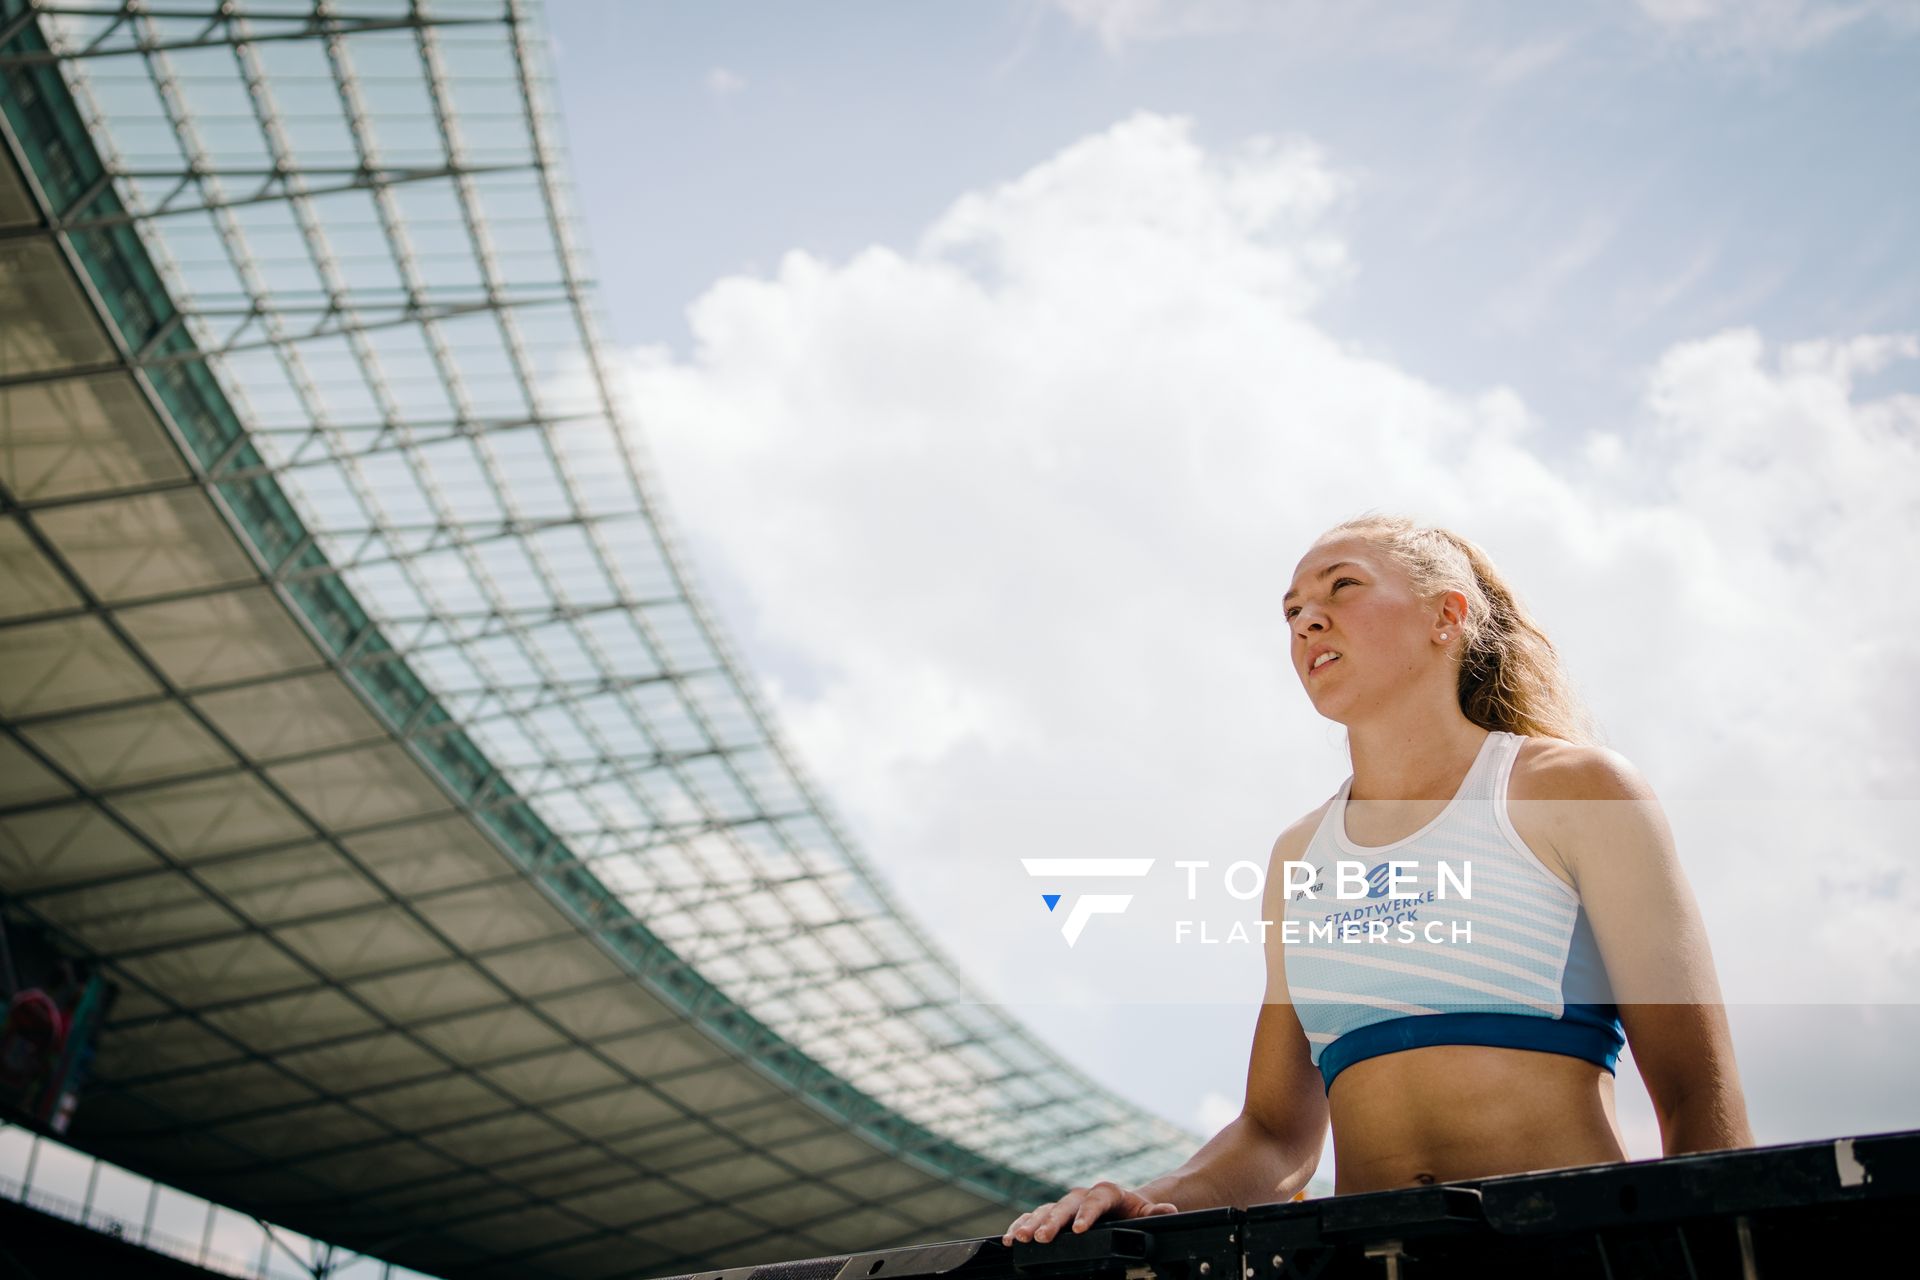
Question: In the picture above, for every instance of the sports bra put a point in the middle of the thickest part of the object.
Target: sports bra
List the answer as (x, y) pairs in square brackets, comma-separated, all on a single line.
[(1510, 962)]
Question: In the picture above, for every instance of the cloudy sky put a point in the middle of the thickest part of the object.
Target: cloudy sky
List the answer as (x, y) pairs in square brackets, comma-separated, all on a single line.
[(999, 360)]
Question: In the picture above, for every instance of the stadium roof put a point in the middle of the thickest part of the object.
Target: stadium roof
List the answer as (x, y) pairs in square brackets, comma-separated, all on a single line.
[(360, 715)]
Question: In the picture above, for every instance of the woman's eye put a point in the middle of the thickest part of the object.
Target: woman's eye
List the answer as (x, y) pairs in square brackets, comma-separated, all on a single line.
[(1336, 586)]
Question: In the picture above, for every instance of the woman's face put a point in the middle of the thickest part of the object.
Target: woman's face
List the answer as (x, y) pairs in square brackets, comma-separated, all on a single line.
[(1349, 599)]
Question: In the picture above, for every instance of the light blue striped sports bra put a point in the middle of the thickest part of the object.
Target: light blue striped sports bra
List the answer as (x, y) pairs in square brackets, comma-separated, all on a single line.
[(1511, 963)]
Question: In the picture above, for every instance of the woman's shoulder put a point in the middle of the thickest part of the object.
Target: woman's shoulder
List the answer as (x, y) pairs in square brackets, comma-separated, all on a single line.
[(1548, 768)]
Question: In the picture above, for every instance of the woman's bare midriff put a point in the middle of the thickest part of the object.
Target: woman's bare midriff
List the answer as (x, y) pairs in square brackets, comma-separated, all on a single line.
[(1451, 1111)]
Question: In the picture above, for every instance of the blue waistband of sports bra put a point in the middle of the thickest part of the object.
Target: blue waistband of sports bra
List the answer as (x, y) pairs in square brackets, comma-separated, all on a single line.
[(1592, 1032)]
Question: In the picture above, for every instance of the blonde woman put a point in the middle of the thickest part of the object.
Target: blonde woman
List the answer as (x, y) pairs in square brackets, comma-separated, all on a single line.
[(1450, 1058)]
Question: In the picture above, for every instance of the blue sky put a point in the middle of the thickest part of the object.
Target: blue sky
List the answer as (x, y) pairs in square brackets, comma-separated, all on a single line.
[(1545, 196), (998, 362)]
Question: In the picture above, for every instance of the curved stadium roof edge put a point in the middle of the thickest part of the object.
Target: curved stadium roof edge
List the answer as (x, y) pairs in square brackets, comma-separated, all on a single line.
[(601, 738)]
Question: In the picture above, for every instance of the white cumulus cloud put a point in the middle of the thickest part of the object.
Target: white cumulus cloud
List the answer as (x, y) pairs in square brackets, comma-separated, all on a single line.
[(1015, 506)]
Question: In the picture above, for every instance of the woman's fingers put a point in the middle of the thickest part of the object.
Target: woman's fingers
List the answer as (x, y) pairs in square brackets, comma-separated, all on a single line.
[(1098, 1200), (1059, 1214), (1023, 1226), (1079, 1209), (1042, 1223)]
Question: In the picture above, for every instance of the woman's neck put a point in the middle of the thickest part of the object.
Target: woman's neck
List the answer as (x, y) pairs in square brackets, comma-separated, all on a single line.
[(1413, 761)]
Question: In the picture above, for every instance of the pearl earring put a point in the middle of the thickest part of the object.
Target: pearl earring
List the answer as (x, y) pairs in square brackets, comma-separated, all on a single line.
[(1443, 635)]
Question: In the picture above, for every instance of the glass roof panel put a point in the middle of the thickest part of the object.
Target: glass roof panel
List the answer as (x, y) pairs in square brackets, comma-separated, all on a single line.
[(128, 745), (81, 435), (24, 780), (33, 281), (145, 545), (63, 664), (215, 639), (34, 585)]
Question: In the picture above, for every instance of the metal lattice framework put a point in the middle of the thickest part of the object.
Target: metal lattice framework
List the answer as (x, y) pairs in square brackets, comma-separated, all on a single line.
[(360, 712)]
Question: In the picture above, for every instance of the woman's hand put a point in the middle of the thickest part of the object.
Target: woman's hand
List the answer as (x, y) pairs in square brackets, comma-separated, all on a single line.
[(1084, 1206)]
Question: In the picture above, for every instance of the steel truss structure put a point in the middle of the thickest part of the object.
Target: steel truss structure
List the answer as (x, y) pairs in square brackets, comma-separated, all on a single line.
[(360, 713)]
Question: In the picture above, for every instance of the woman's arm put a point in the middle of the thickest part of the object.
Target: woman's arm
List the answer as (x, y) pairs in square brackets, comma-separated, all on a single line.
[(1273, 1146), (1268, 1151), (1244, 1164), (1608, 828)]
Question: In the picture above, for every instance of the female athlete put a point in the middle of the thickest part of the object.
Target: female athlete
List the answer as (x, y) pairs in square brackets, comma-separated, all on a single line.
[(1437, 1062)]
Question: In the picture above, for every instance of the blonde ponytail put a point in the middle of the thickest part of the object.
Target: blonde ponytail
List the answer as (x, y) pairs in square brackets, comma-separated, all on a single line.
[(1510, 674)]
